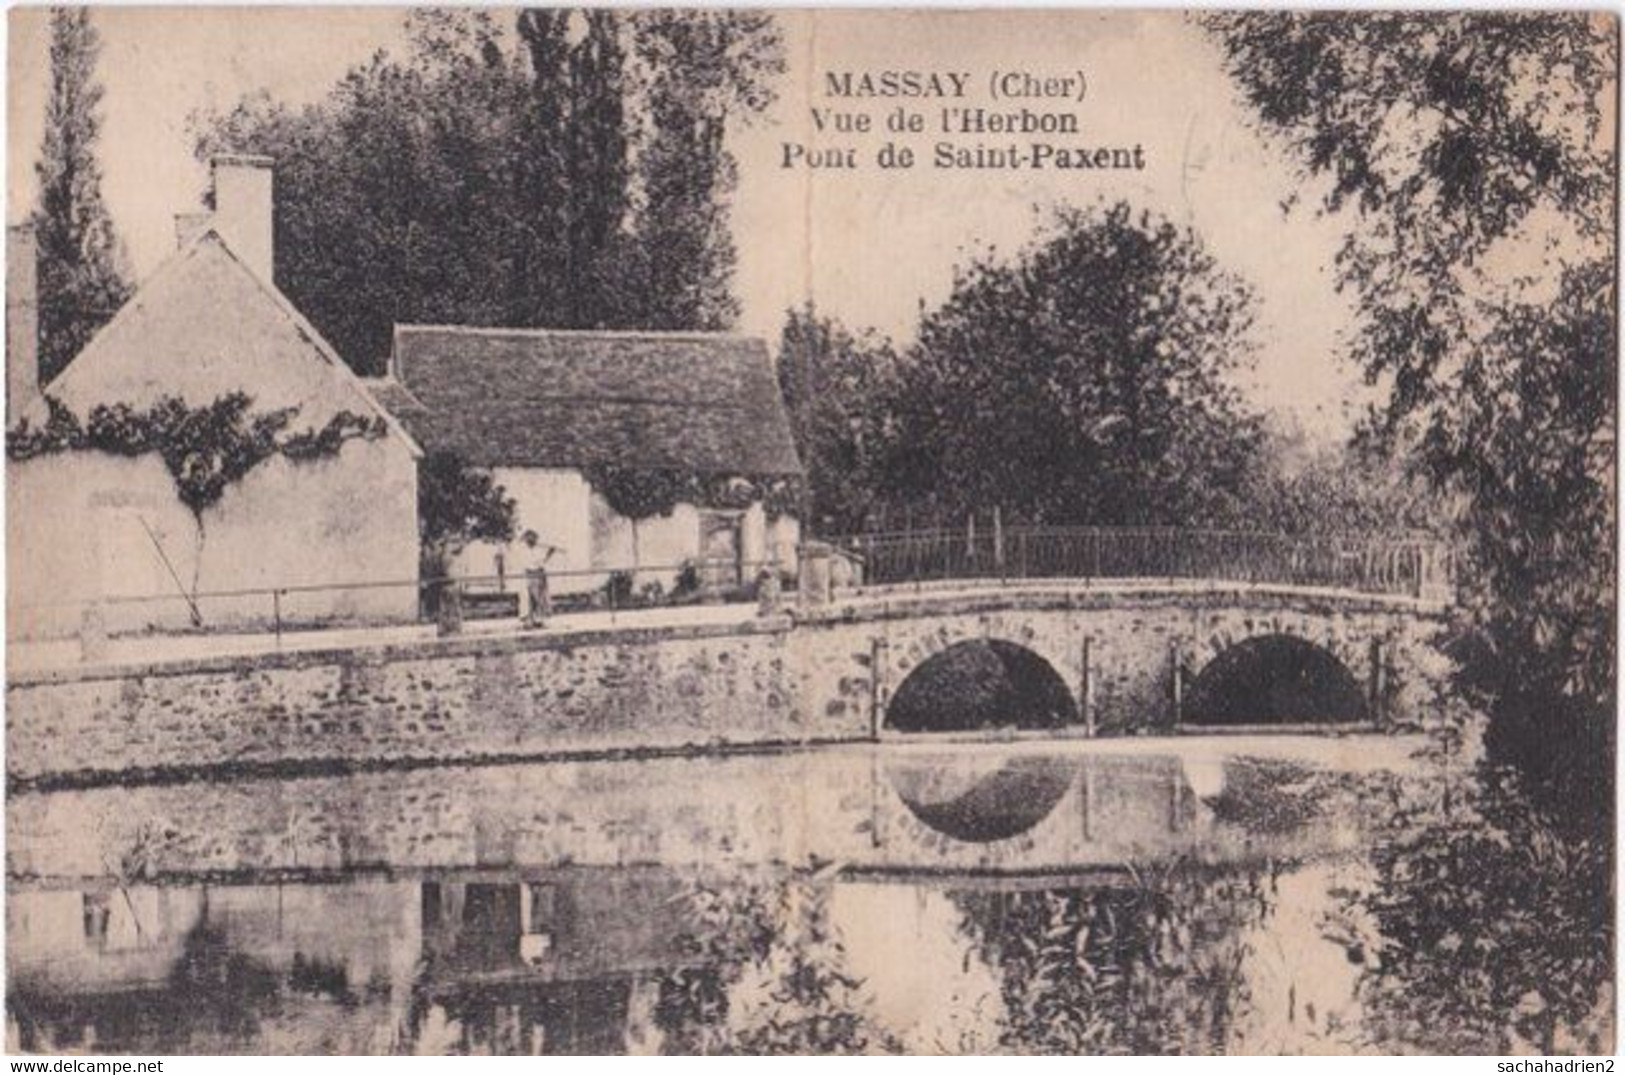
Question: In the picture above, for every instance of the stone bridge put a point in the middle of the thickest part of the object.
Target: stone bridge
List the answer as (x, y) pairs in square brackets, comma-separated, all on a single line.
[(1133, 658), (1096, 658)]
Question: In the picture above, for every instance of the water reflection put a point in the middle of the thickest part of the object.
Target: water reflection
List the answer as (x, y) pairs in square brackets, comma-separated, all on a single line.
[(1489, 926), (979, 804), (867, 901)]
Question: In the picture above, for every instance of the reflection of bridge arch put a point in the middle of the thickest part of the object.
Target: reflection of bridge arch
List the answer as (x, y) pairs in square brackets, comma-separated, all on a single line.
[(984, 803), (978, 684), (1277, 678)]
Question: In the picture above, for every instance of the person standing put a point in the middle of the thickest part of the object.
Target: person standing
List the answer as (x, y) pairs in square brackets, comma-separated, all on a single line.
[(538, 598)]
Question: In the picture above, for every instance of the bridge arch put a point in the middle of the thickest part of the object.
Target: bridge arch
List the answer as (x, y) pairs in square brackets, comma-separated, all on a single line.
[(1275, 678), (978, 684)]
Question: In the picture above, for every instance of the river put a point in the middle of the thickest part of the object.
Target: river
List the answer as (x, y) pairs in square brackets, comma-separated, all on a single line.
[(1187, 895)]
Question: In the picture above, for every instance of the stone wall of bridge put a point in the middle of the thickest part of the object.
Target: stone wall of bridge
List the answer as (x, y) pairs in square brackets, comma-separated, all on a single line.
[(1118, 651), (776, 680)]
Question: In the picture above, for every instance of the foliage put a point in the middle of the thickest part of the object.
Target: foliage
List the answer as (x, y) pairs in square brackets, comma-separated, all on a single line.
[(489, 177), (767, 976), (704, 66), (1083, 382), (639, 493), (1154, 967), (618, 589), (1298, 486), (81, 276), (839, 389), (205, 449), (1491, 925), (458, 504), (1474, 157)]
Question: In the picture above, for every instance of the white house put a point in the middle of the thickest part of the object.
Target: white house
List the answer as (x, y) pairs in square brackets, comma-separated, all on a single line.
[(89, 528), (548, 413)]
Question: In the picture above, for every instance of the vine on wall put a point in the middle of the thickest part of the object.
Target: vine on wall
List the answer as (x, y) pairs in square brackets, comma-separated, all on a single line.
[(205, 449), (638, 494)]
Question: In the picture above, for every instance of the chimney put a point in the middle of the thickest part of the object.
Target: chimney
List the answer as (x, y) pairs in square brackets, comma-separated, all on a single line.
[(242, 208), (23, 395), (189, 226)]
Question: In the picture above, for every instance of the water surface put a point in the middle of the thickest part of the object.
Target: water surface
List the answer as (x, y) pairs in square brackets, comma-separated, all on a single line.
[(1191, 896)]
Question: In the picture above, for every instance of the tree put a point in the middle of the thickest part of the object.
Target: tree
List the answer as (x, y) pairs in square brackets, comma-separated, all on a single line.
[(544, 164), (494, 178), (1300, 486), (1491, 924), (838, 388), (1084, 382), (1473, 158), (704, 67), (81, 278), (599, 176), (458, 504)]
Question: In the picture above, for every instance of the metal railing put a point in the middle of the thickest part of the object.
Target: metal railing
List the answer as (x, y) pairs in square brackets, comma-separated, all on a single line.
[(312, 606), (1415, 566), (1419, 567)]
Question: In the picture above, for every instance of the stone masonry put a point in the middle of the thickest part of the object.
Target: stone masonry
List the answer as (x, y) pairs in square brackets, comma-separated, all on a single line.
[(782, 679)]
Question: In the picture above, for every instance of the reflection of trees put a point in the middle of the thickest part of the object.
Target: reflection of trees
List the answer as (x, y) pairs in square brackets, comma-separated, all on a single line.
[(214, 1000), (1275, 797), (1150, 966), (1495, 929), (770, 977), (516, 1018)]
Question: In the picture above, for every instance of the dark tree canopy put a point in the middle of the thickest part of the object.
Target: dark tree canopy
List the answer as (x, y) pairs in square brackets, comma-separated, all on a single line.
[(1087, 381), (501, 176), (839, 389), (81, 277), (703, 68), (1472, 157), (458, 504), (1305, 486)]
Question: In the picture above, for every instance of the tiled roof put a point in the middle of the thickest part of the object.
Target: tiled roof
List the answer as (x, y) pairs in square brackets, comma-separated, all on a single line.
[(393, 396), (509, 397)]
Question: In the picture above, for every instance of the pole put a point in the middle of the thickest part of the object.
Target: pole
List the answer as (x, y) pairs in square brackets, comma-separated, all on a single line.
[(1086, 799), (1177, 693), (1379, 680), (877, 686), (998, 541), (1086, 691), (191, 603)]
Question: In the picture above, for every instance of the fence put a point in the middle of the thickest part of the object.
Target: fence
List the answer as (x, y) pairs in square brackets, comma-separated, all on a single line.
[(1414, 566), (315, 605)]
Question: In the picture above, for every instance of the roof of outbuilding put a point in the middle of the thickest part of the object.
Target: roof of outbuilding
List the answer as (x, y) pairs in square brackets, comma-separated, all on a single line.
[(705, 402)]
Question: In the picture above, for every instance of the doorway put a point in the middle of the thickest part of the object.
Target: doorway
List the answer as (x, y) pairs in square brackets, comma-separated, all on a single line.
[(720, 546)]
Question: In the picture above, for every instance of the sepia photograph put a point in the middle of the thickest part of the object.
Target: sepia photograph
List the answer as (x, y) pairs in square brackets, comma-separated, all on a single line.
[(694, 531)]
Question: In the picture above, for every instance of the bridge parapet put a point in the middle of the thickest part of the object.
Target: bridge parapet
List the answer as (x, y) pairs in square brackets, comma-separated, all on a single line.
[(1419, 566), (1130, 650)]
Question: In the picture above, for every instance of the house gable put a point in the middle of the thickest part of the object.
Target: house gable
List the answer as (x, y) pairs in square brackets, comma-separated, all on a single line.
[(204, 326)]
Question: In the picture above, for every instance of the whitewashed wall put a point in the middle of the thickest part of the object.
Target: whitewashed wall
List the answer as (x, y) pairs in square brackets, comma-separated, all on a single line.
[(555, 504), (77, 532), (566, 511)]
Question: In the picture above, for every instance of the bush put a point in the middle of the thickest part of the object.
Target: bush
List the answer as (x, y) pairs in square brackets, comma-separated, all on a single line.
[(618, 589)]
